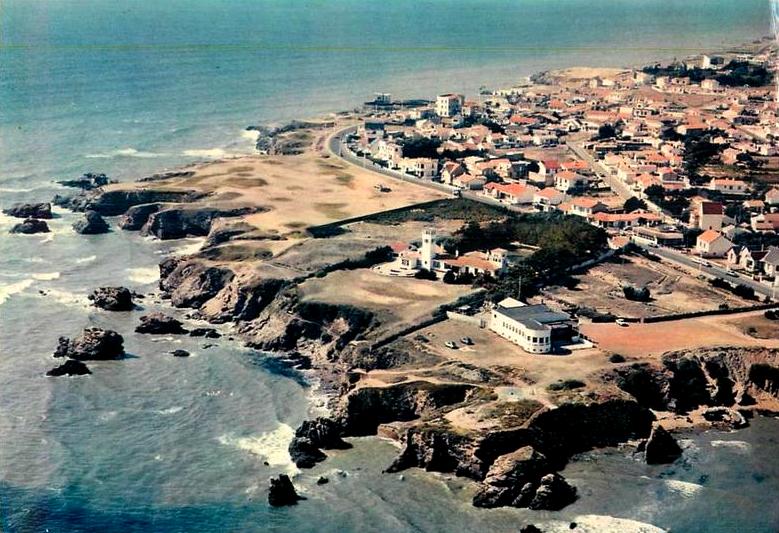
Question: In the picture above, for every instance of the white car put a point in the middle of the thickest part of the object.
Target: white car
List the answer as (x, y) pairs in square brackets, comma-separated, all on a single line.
[(622, 323)]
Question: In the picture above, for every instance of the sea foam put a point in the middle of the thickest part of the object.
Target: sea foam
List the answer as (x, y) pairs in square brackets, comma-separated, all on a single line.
[(6, 291), (592, 523), (125, 152), (272, 446), (143, 274)]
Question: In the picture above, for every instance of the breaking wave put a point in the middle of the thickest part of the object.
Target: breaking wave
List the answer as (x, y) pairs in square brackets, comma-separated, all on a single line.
[(272, 446), (125, 152), (143, 274)]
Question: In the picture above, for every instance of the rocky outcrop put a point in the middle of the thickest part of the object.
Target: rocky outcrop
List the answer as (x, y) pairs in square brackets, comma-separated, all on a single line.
[(724, 418), (191, 283), (188, 221), (39, 210), (364, 408), (208, 333), (113, 298), (71, 367), (551, 493), (661, 448), (508, 475), (92, 344), (30, 226), (109, 203), (91, 224), (311, 437), (88, 181), (282, 492), (160, 324), (136, 217)]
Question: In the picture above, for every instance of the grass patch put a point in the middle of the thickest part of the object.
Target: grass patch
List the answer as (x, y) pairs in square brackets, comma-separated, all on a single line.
[(332, 210), (347, 180), (448, 209), (512, 414), (566, 385)]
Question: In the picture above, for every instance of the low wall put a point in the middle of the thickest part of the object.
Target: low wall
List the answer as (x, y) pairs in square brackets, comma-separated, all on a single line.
[(710, 312)]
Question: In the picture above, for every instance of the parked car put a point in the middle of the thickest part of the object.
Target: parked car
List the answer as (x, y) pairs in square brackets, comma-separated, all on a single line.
[(451, 345), (467, 341), (622, 323), (731, 273)]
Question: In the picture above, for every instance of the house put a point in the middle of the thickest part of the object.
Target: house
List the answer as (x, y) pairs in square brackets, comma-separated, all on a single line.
[(370, 131), (449, 105), (709, 215), (433, 257), (766, 223), (421, 167), (547, 199), (728, 186), (586, 207), (534, 328), (623, 220), (512, 193), (712, 243), (567, 181), (750, 260), (450, 171), (770, 261), (772, 197)]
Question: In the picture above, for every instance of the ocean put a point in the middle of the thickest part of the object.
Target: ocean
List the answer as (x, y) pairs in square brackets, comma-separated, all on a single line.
[(157, 443)]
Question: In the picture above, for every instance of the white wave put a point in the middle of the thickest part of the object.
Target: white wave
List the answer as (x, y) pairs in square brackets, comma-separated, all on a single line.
[(87, 259), (143, 274), (739, 445), (207, 153), (684, 488), (6, 291), (170, 410), (251, 135), (66, 298), (46, 276), (48, 238), (12, 189), (592, 523), (35, 260), (193, 246), (125, 152), (271, 446)]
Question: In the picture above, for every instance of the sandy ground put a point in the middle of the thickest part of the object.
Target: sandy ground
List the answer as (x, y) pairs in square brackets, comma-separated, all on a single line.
[(642, 340)]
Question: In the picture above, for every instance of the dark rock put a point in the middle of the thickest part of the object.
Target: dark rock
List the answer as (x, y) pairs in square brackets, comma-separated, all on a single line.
[(70, 367), (113, 298), (117, 202), (208, 333), (661, 448), (323, 433), (87, 181), (185, 221), (39, 210), (30, 226), (179, 353), (530, 528), (322, 480), (282, 492), (553, 493), (725, 418), (91, 224), (92, 344), (159, 324), (508, 474), (138, 215), (192, 283), (304, 454), (688, 385)]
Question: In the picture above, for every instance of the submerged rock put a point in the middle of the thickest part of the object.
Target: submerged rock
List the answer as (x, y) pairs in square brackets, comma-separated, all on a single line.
[(87, 181), (282, 492), (179, 353), (113, 298), (208, 333), (92, 344), (91, 224), (304, 454), (30, 226), (39, 210), (159, 324), (661, 448), (71, 367)]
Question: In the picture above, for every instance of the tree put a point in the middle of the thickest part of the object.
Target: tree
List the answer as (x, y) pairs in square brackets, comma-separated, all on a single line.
[(449, 277), (607, 131), (633, 204), (417, 147), (655, 191), (424, 273), (637, 294)]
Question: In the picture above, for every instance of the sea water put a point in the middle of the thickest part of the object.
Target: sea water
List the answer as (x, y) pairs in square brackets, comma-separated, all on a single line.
[(157, 443)]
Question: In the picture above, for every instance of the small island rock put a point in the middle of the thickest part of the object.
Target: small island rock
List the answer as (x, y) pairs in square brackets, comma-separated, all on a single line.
[(208, 333), (71, 367), (30, 226), (159, 324), (661, 448), (282, 492), (39, 210), (113, 298), (87, 181), (91, 224), (92, 344), (179, 353)]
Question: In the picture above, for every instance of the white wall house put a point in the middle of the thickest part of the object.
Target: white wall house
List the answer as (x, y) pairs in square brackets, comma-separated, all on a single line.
[(532, 327), (712, 243)]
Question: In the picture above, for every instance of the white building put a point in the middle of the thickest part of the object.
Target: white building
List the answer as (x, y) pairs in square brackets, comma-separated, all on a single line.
[(532, 327), (420, 167), (449, 105), (712, 243)]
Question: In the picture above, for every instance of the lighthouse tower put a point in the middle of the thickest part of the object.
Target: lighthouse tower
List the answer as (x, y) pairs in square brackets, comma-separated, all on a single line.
[(427, 253)]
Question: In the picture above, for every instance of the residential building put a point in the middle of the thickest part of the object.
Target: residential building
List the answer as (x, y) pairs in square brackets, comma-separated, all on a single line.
[(712, 243), (449, 105), (570, 182), (709, 215)]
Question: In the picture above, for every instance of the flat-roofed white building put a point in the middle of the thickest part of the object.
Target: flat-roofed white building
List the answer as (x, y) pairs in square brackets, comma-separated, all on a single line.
[(534, 328)]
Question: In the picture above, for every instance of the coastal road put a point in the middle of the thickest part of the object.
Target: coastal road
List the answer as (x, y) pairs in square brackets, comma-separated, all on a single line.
[(712, 271)]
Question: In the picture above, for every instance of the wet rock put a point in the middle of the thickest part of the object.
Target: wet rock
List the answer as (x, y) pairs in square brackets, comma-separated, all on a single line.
[(117, 202), (39, 210), (282, 492), (725, 418), (91, 224), (179, 353), (159, 324), (304, 454), (30, 226), (70, 367), (138, 215), (552, 494), (113, 298), (92, 344), (87, 181), (323, 433), (661, 448), (322, 480), (208, 333), (530, 528), (185, 221)]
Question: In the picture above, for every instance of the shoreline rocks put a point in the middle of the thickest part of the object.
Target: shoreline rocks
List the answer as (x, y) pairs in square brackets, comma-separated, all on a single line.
[(160, 324), (91, 224), (208, 333), (87, 182), (93, 344), (38, 210), (661, 447), (113, 298), (282, 492), (30, 226)]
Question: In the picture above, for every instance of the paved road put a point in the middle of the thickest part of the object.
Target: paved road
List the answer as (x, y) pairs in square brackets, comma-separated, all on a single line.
[(712, 271)]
